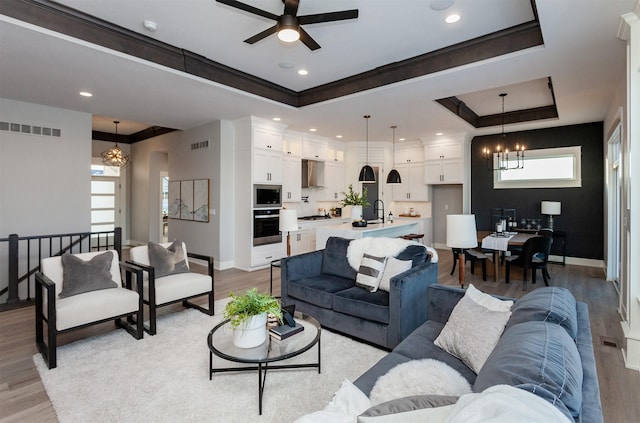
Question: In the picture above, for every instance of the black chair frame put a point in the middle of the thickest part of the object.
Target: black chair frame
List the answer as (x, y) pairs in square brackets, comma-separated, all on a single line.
[(473, 256), (527, 260), (151, 328), (48, 348)]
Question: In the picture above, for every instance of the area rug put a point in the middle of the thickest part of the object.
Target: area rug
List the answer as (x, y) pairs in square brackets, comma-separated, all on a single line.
[(165, 378)]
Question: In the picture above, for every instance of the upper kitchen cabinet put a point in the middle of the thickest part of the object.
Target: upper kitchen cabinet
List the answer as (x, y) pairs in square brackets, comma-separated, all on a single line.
[(267, 139), (335, 152), (267, 166), (314, 148), (443, 163), (413, 187), (292, 145), (411, 153), (334, 181), (291, 179)]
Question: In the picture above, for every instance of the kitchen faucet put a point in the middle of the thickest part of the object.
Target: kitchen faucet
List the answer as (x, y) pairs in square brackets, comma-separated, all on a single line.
[(377, 209)]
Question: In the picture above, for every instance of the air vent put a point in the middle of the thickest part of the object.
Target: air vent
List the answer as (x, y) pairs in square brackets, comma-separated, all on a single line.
[(21, 128), (199, 145)]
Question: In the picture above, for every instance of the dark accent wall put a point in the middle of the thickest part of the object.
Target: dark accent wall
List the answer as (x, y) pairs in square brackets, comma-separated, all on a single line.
[(582, 208)]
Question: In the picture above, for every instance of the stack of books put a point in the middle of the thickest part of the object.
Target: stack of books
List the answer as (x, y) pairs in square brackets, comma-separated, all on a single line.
[(285, 331)]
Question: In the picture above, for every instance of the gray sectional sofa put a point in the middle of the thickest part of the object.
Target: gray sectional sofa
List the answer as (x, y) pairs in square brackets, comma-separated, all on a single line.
[(546, 348), (322, 284)]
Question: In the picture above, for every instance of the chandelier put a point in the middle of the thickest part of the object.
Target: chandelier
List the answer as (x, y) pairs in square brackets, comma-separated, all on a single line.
[(502, 160), (114, 156)]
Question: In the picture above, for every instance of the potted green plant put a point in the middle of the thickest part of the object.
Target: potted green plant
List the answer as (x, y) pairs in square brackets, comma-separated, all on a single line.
[(248, 316), (356, 201)]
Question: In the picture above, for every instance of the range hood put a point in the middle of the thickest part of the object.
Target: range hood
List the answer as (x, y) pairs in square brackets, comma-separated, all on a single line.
[(312, 173)]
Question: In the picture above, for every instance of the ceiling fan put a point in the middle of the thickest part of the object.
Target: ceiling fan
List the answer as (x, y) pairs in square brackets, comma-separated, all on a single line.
[(288, 25)]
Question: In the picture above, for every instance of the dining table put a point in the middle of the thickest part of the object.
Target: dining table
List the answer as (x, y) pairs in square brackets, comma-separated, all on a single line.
[(497, 243)]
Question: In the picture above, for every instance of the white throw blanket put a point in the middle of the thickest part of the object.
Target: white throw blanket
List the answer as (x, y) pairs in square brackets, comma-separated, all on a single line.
[(380, 247)]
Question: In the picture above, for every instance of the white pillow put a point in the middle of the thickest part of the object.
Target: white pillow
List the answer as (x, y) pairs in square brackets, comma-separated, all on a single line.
[(472, 332), (488, 301), (370, 272), (347, 403), (393, 267)]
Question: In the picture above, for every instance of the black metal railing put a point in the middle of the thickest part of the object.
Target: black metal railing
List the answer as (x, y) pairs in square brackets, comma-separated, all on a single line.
[(24, 254)]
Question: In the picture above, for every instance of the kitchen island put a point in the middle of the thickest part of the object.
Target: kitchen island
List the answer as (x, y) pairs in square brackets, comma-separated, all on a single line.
[(345, 230)]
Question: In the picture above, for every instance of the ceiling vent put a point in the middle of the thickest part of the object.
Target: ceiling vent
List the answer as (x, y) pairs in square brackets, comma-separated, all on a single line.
[(21, 128), (199, 145)]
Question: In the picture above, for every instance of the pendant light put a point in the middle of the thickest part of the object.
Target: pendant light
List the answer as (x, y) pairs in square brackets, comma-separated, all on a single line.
[(502, 153), (114, 156), (394, 176), (366, 173)]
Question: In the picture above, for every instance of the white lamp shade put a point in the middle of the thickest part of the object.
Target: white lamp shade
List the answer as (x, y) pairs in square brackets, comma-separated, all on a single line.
[(551, 208), (288, 220), (461, 231)]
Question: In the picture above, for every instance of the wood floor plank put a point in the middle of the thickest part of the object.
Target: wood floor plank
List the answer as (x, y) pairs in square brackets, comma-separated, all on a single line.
[(23, 398)]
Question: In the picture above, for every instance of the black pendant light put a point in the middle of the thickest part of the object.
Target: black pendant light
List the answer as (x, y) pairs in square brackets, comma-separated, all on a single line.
[(394, 176), (366, 173)]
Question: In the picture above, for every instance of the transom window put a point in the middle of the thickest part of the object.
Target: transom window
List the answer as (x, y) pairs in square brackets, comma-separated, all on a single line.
[(544, 168)]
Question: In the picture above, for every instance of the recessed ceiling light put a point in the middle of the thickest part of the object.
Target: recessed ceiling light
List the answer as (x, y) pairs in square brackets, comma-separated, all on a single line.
[(313, 129), (150, 26), (439, 133), (452, 18), (338, 136), (85, 94), (401, 139), (302, 72), (277, 119)]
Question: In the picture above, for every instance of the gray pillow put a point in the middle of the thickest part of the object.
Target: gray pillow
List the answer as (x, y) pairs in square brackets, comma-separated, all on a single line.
[(547, 304), (80, 276), (167, 261), (540, 358), (400, 405), (334, 259), (416, 253)]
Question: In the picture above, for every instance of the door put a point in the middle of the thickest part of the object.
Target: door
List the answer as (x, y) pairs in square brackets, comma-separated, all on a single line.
[(105, 205)]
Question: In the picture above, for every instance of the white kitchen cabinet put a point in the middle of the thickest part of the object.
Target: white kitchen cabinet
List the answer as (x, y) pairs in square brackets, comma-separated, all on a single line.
[(443, 151), (303, 241), (264, 254), (292, 147), (335, 153), (291, 179), (413, 187), (314, 150), (443, 172), (333, 181), (267, 139), (267, 166), (409, 155)]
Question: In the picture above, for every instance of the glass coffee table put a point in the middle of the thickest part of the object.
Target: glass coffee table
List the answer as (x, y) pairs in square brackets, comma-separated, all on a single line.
[(220, 341)]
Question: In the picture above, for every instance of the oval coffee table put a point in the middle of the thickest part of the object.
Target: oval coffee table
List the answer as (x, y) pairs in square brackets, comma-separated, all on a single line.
[(220, 341)]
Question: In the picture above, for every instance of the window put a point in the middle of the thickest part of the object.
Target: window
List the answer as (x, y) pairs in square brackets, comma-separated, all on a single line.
[(544, 168)]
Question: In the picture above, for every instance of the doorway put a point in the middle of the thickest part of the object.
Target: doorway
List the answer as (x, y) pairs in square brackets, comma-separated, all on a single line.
[(446, 199), (164, 206), (105, 206)]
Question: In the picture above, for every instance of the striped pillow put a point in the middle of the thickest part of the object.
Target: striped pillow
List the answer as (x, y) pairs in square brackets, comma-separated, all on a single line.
[(370, 272)]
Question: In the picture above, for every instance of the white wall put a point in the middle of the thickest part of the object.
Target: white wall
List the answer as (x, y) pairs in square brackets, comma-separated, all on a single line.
[(45, 182)]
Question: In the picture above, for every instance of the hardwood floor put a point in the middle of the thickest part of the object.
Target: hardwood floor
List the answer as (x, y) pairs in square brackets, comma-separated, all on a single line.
[(23, 398)]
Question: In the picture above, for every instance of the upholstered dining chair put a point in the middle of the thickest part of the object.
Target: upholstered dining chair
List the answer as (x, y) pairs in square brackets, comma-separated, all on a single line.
[(167, 278), (78, 290), (535, 255)]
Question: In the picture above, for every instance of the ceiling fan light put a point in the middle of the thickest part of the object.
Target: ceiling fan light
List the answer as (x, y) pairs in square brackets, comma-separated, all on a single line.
[(288, 35), (367, 175)]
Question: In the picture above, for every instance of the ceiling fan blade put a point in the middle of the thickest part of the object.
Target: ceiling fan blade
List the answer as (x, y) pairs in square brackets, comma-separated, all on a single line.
[(307, 40), (328, 17), (261, 35), (248, 8), (291, 7)]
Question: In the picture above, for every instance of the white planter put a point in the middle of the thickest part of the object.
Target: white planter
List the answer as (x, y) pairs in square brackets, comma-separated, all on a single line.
[(251, 333), (356, 213)]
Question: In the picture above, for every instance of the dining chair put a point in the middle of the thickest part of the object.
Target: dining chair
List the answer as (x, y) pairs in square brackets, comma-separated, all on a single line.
[(535, 255), (472, 256), (546, 232)]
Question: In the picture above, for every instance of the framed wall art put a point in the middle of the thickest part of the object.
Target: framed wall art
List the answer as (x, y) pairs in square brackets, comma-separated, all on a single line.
[(189, 200)]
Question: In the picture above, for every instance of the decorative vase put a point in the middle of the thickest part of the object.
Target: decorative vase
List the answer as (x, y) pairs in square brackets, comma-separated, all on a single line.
[(252, 332), (356, 213)]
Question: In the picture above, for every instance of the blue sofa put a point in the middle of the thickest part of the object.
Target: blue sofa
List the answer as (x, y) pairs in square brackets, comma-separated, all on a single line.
[(546, 349), (322, 284)]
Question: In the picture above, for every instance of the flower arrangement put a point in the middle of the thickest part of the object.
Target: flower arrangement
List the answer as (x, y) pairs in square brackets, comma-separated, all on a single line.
[(242, 307), (353, 198)]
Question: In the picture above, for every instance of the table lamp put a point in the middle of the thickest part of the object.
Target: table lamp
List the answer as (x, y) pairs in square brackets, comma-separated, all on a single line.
[(461, 234), (288, 223), (550, 208)]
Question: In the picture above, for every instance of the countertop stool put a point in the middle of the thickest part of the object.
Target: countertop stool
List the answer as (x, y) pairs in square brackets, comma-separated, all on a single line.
[(412, 237)]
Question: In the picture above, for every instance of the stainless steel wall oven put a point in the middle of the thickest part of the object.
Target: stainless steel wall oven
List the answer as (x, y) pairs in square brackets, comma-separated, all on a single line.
[(266, 227)]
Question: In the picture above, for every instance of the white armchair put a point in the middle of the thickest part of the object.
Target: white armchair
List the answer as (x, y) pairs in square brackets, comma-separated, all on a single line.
[(172, 288), (66, 302)]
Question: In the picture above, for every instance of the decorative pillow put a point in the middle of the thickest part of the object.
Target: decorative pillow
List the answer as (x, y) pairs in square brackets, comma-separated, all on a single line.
[(547, 304), (370, 272), (167, 261), (472, 331), (540, 358), (80, 276), (419, 377), (392, 268), (489, 301), (334, 258), (390, 411)]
